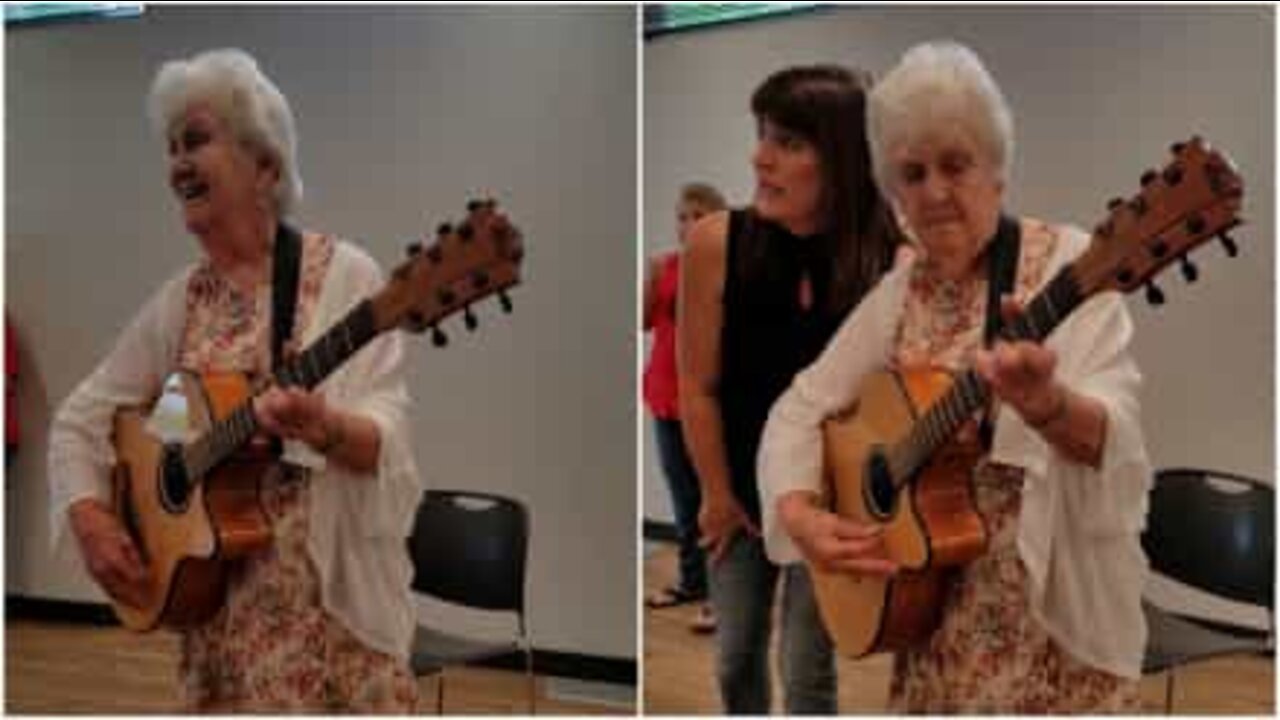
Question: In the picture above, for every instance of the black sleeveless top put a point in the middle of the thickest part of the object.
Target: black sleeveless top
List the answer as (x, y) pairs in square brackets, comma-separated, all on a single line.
[(766, 336)]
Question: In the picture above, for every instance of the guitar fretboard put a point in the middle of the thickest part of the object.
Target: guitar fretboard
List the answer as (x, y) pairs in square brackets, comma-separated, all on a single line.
[(306, 370), (970, 393)]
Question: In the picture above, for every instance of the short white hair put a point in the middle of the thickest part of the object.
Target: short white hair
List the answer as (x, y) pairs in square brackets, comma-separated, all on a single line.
[(230, 83), (937, 86)]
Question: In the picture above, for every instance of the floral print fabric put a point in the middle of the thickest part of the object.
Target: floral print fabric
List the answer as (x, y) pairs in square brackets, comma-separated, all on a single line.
[(272, 647), (989, 655)]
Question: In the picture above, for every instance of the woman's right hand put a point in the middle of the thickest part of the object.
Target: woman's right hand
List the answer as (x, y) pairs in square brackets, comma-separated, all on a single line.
[(720, 518), (109, 553), (833, 543)]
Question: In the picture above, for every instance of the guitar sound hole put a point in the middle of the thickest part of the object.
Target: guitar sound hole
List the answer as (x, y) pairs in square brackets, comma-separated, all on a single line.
[(879, 493), (175, 491)]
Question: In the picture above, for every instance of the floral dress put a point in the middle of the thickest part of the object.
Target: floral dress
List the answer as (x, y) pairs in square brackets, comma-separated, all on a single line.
[(272, 646), (989, 654)]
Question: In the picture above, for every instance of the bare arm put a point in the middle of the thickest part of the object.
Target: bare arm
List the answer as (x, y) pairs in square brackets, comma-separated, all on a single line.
[(699, 319)]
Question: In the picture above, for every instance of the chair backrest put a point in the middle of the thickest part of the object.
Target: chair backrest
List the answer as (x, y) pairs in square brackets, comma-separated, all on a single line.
[(470, 548), (1214, 531)]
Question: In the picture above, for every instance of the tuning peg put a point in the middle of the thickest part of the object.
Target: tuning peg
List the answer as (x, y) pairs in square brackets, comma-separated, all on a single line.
[(474, 205), (504, 301), (1147, 177), (443, 229), (1189, 270), (413, 248), (1177, 148), (1155, 295), (1228, 244), (438, 338), (1139, 206), (469, 318), (416, 321), (1172, 175), (1114, 203)]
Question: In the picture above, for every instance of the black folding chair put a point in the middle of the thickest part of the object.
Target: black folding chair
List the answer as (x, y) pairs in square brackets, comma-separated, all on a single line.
[(471, 549), (1215, 532)]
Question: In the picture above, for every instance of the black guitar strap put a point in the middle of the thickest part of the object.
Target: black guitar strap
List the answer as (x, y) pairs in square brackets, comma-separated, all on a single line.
[(284, 290), (1002, 271), (285, 268)]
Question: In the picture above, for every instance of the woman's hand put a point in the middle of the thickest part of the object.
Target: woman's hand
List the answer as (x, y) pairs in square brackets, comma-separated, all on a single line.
[(833, 543), (1020, 374), (720, 518), (109, 553), (297, 414)]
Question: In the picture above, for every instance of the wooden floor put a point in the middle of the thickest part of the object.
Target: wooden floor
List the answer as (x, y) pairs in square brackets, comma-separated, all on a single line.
[(64, 668), (679, 673)]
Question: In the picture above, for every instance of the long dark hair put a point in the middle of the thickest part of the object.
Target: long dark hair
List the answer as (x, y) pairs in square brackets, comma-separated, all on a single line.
[(826, 105)]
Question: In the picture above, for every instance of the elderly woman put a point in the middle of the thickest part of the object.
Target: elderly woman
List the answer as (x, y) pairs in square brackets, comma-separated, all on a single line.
[(1048, 619), (321, 619), (762, 290)]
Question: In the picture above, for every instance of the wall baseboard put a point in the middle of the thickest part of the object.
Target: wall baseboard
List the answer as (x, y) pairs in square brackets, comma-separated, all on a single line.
[(579, 666), (660, 530)]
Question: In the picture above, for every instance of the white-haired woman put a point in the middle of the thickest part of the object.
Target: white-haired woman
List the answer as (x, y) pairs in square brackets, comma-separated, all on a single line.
[(1048, 619), (321, 619)]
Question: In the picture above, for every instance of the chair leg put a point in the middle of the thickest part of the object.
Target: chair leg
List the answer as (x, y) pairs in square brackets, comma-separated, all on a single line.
[(440, 693), (528, 671), (1168, 692)]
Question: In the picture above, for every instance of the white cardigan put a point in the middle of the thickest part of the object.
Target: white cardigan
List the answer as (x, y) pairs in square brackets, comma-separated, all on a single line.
[(358, 525), (1078, 533)]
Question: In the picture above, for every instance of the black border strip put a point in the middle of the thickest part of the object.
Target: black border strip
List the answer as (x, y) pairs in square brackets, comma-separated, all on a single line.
[(660, 530), (579, 666)]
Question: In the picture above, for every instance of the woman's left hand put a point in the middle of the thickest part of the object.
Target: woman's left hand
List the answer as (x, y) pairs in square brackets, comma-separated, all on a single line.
[(1020, 374), (295, 414)]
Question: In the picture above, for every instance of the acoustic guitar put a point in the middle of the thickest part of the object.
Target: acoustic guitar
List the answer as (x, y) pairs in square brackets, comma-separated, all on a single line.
[(193, 507), (892, 458)]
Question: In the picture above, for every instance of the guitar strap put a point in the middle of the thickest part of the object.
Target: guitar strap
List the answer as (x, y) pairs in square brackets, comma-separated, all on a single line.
[(285, 269), (1002, 270)]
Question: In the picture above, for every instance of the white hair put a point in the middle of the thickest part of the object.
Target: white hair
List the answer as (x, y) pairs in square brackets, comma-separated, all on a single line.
[(937, 86), (229, 82)]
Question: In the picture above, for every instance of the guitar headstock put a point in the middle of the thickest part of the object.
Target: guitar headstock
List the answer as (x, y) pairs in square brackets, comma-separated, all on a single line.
[(468, 262), (1194, 198)]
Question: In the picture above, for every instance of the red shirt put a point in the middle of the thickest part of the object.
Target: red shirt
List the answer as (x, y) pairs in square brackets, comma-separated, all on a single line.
[(660, 382)]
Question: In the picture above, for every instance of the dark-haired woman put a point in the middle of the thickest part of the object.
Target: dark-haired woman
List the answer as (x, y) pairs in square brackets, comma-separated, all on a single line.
[(762, 291)]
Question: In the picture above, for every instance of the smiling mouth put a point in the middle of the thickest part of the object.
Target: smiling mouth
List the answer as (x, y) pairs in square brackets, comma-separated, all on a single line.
[(190, 190)]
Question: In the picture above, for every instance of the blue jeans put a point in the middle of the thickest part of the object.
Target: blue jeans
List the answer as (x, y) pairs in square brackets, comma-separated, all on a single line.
[(743, 585), (686, 498)]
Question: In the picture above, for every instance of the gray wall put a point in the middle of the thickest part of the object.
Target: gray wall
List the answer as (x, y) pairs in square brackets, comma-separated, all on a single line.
[(1098, 94), (402, 114)]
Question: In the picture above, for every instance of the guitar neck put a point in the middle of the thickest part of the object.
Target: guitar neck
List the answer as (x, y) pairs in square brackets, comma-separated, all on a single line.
[(969, 393), (305, 370)]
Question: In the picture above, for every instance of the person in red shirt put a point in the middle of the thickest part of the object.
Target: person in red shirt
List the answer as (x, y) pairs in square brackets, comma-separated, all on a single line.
[(662, 280)]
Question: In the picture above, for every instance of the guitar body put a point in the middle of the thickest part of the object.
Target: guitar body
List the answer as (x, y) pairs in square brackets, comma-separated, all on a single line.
[(931, 527), (187, 532)]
